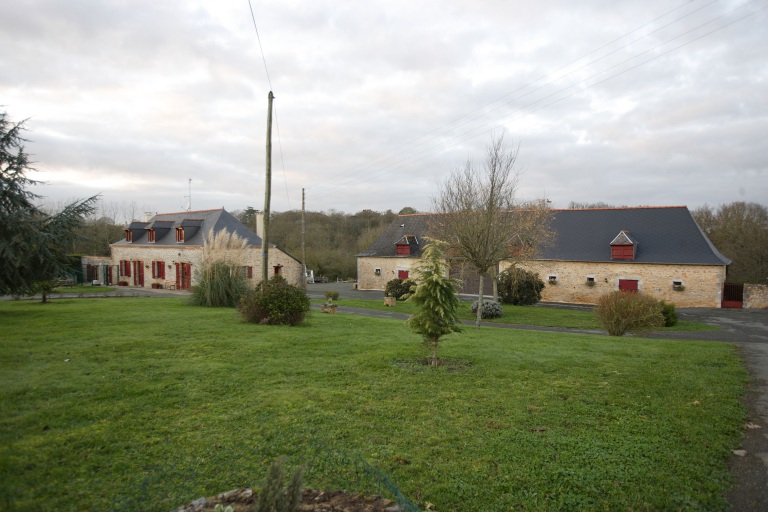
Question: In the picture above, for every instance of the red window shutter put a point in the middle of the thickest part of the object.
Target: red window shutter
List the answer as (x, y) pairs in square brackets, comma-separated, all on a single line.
[(402, 274), (250, 272)]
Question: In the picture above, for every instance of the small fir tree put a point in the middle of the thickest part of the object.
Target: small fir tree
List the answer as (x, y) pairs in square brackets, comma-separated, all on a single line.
[(435, 297)]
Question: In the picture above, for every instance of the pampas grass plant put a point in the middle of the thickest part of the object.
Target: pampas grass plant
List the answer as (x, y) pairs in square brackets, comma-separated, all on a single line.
[(220, 283)]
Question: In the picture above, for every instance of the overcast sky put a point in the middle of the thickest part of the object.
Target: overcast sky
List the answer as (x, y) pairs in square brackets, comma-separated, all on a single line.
[(638, 102)]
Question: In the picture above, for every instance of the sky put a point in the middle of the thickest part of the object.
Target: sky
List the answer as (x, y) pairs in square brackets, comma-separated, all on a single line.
[(162, 106)]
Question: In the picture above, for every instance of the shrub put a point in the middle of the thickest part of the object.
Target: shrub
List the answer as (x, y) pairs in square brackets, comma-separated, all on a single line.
[(275, 495), (669, 312), (219, 283), (400, 289), (329, 295), (491, 309), (274, 303), (219, 286), (519, 287), (620, 312)]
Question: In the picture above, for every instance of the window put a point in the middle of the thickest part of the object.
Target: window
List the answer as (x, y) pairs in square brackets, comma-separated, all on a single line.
[(622, 252), (245, 272), (128, 236), (151, 236), (402, 274), (552, 278), (158, 270), (377, 271), (590, 279), (125, 268), (180, 235)]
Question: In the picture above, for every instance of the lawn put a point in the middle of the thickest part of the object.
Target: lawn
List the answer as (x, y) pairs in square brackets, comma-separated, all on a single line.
[(539, 315), (147, 403)]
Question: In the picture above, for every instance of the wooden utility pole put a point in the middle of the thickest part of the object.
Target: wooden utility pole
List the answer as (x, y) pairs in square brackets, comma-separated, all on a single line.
[(303, 248), (267, 196)]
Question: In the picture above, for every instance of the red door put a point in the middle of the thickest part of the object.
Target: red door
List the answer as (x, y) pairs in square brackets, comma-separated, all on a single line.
[(402, 274), (183, 276), (138, 273), (628, 285)]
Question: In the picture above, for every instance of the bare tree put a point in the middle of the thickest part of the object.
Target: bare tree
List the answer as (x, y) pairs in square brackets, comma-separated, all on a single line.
[(480, 218)]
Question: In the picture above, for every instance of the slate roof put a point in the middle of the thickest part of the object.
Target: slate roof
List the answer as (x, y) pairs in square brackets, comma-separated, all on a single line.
[(404, 225), (196, 226), (664, 235)]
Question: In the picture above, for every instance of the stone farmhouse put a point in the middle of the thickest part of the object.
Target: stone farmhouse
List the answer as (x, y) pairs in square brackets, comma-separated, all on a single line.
[(656, 250), (164, 252)]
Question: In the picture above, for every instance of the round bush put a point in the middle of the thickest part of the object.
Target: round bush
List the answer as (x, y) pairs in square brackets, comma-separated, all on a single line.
[(669, 312), (400, 289), (277, 303), (491, 309), (620, 312), (519, 287)]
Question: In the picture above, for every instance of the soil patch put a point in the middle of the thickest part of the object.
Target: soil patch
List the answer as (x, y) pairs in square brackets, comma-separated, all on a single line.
[(244, 500)]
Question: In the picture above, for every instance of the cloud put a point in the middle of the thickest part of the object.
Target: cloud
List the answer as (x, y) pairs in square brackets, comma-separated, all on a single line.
[(376, 102)]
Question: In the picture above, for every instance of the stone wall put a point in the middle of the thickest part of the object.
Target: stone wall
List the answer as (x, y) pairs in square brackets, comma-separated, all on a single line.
[(756, 296), (702, 284), (170, 255), (369, 278)]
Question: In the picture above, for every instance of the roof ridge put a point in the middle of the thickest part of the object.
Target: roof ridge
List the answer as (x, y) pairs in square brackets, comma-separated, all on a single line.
[(191, 211)]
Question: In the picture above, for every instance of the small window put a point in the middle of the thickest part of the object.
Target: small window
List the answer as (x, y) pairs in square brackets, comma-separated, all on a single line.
[(377, 271), (151, 236), (180, 235), (552, 278), (678, 285), (128, 236), (590, 279), (245, 272)]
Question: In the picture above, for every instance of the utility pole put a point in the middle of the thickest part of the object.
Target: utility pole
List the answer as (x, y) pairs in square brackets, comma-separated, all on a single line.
[(267, 196), (303, 248)]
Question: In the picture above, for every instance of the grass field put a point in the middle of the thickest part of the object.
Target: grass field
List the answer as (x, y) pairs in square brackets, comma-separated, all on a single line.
[(522, 315), (148, 403)]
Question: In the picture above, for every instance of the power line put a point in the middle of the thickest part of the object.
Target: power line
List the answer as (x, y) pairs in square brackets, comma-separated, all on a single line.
[(263, 58), (431, 148)]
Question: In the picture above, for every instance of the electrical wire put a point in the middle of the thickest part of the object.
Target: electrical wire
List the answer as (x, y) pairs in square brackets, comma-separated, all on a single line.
[(468, 135)]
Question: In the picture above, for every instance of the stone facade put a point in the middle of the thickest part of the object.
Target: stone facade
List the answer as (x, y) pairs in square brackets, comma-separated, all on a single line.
[(375, 273), (701, 284), (756, 296), (289, 267)]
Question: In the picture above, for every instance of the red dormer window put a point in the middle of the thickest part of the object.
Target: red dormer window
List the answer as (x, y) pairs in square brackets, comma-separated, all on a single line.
[(407, 245), (151, 236), (623, 247), (128, 236), (180, 235)]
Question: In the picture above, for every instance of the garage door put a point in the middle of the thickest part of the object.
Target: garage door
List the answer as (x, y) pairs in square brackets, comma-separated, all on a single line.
[(628, 285)]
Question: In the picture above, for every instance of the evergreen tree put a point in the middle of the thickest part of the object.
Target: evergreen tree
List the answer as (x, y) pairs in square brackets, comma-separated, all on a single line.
[(435, 297), (33, 244)]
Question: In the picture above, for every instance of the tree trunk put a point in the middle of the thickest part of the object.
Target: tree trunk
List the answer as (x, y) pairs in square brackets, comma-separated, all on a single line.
[(495, 276), (480, 300)]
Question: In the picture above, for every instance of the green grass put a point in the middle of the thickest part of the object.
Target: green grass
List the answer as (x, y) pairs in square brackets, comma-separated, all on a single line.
[(522, 315), (84, 289), (148, 403)]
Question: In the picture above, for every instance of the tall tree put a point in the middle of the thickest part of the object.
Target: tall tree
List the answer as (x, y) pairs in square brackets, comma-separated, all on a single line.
[(33, 244), (740, 231), (480, 217)]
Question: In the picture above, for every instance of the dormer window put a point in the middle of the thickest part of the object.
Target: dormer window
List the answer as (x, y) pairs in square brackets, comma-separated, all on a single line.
[(151, 235), (623, 247), (407, 245), (180, 235), (129, 236)]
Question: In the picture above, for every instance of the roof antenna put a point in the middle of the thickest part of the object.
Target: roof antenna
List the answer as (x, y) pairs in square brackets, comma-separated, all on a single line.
[(189, 196)]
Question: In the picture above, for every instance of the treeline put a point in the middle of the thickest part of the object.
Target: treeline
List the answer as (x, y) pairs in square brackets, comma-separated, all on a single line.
[(332, 239)]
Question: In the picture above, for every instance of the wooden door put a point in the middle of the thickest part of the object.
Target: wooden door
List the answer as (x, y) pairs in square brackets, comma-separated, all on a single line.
[(628, 285), (183, 276), (138, 273)]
